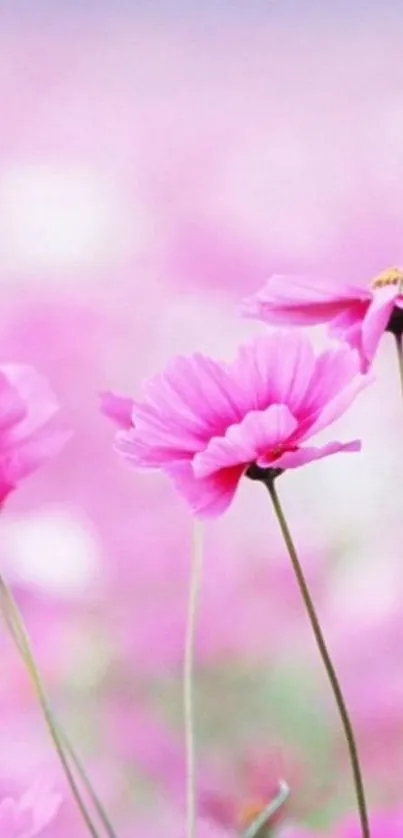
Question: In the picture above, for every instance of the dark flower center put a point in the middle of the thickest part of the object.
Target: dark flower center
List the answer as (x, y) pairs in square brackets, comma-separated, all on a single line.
[(265, 475), (395, 324)]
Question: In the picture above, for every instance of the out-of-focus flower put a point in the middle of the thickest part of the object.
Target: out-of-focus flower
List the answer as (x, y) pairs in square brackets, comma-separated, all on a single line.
[(354, 314), (383, 825), (240, 795), (27, 434), (206, 423), (238, 815), (292, 830), (117, 408), (28, 815), (205, 829)]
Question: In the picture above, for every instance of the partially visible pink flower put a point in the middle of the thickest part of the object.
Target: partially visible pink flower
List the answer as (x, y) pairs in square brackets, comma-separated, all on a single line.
[(239, 795), (236, 809), (29, 815), (354, 314), (117, 408), (206, 424), (27, 435), (383, 825), (292, 830)]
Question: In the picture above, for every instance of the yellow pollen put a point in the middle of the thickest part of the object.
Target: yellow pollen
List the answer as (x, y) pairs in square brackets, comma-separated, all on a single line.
[(390, 276), (248, 812)]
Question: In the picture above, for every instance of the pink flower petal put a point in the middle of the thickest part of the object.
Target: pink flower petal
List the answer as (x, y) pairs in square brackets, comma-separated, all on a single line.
[(12, 406), (151, 450), (376, 320), (286, 300), (19, 462), (276, 368), (117, 408), (209, 496), (294, 459), (40, 401), (257, 434), (347, 326), (334, 385), (195, 393)]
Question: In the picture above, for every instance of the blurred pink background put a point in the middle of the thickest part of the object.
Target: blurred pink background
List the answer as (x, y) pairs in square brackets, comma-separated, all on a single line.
[(157, 163)]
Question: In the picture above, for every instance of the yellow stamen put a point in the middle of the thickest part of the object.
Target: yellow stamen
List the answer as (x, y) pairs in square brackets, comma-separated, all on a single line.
[(390, 276)]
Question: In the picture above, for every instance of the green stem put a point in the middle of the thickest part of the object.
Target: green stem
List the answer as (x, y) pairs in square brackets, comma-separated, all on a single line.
[(264, 817), (195, 573), (399, 347), (17, 629), (19, 634), (98, 805), (327, 661)]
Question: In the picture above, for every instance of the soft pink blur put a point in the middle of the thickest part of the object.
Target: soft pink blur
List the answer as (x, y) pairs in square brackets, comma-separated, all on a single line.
[(153, 172)]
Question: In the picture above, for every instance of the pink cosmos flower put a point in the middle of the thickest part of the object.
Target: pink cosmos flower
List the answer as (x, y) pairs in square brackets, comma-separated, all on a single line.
[(29, 815), (205, 424), (354, 314), (27, 436)]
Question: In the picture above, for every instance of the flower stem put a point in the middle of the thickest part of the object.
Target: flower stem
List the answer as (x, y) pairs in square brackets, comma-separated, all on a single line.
[(264, 817), (398, 340), (98, 805), (17, 630), (327, 661), (195, 573)]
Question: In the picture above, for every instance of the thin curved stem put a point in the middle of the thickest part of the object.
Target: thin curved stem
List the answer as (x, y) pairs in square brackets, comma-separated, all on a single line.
[(16, 626), (188, 673), (98, 805), (19, 634), (327, 661), (262, 819), (399, 347)]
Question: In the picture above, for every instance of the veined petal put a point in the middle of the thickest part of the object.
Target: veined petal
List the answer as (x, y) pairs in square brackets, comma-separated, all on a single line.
[(337, 406), (259, 433), (301, 301), (304, 455), (118, 408), (275, 369), (210, 496), (194, 395), (334, 386), (149, 451)]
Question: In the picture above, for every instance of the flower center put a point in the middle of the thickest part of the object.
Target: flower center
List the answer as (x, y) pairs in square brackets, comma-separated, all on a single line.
[(390, 276)]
